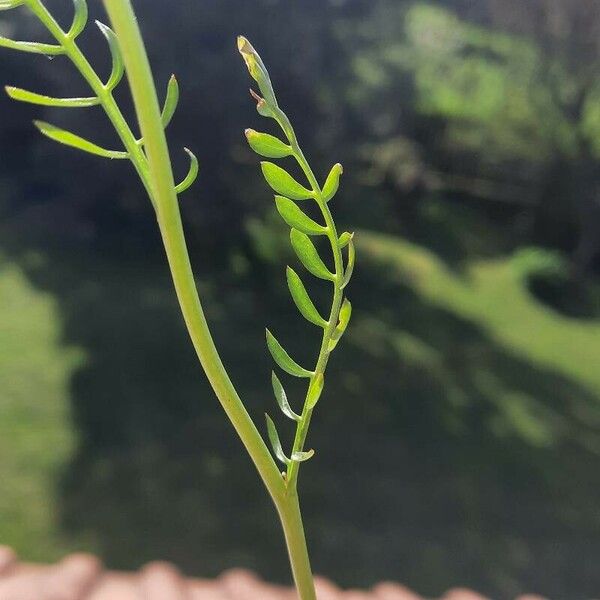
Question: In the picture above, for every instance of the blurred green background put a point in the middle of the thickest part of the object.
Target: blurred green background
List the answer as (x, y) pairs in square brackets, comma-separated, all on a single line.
[(458, 442)]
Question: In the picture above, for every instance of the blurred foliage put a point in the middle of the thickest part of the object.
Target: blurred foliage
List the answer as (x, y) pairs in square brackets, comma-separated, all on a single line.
[(470, 388)]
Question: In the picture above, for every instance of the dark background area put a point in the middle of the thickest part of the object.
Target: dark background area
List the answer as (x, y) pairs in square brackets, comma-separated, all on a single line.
[(458, 440)]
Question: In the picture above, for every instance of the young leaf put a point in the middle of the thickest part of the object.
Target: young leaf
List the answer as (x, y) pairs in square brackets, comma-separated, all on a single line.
[(80, 18), (345, 314), (192, 173), (333, 182), (267, 145), (275, 441), (283, 359), (261, 106), (282, 400), (314, 391), (302, 456), (118, 67), (283, 183), (296, 219), (350, 266), (70, 139), (32, 47), (171, 101), (345, 239), (308, 255), (25, 96), (257, 69), (302, 299)]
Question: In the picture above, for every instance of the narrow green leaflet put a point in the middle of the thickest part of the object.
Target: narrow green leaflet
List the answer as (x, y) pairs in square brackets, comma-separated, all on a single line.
[(350, 266), (118, 67), (302, 456), (314, 391), (345, 314), (70, 139), (25, 96), (296, 219), (333, 182), (267, 145), (283, 359), (283, 183), (345, 239), (32, 47), (8, 4), (282, 400), (257, 69), (192, 173), (80, 18), (308, 255), (302, 299), (275, 441), (171, 101)]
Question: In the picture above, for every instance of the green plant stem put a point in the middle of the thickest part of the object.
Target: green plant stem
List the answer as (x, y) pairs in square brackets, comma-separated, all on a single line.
[(163, 188), (338, 295)]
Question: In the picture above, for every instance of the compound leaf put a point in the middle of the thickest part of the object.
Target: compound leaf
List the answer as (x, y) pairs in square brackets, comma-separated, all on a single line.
[(302, 299), (296, 219), (308, 255), (283, 183), (283, 359)]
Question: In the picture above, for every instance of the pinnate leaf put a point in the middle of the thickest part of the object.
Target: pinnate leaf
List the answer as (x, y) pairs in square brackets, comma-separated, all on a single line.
[(283, 183), (333, 182), (267, 145), (70, 139), (308, 255), (302, 299), (283, 359), (275, 441), (282, 399), (296, 219)]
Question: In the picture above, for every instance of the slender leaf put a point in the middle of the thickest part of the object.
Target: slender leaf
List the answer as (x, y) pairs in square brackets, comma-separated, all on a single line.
[(295, 218), (32, 47), (275, 441), (8, 4), (257, 69), (118, 66), (283, 359), (344, 319), (308, 255), (282, 400), (171, 101), (302, 456), (25, 96), (70, 139), (314, 391), (350, 266), (333, 182), (283, 183), (267, 145), (302, 299), (192, 173), (80, 18), (345, 239)]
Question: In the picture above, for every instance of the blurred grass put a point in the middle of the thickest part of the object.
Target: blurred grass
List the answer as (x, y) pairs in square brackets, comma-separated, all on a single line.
[(111, 442)]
